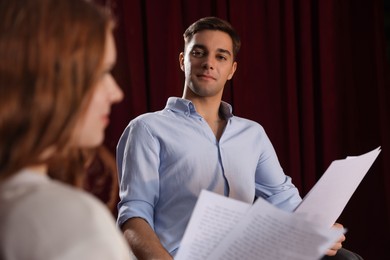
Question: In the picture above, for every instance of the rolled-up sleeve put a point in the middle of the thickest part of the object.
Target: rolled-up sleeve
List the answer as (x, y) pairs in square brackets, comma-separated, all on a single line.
[(271, 182), (137, 161)]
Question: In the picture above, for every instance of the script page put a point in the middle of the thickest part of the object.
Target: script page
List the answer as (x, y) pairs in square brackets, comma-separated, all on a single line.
[(327, 199), (224, 228), (269, 233), (213, 217)]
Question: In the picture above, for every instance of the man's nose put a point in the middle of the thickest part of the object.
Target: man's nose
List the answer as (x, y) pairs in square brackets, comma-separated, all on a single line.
[(208, 63)]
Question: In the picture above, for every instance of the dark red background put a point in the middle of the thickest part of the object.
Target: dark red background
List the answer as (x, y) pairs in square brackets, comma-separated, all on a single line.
[(313, 73)]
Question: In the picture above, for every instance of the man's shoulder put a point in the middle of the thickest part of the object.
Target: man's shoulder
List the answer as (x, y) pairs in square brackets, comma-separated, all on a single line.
[(247, 122), (146, 116), (149, 118)]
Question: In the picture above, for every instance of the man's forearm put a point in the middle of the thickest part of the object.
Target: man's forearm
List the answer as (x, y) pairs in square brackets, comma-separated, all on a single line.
[(143, 240)]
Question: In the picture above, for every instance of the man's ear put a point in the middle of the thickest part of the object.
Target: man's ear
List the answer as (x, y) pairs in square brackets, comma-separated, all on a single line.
[(233, 69), (181, 60)]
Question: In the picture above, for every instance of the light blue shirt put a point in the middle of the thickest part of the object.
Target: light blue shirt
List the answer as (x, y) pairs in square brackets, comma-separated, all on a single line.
[(167, 157)]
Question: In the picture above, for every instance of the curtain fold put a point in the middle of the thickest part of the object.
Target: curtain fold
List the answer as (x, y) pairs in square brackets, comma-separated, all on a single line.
[(313, 73)]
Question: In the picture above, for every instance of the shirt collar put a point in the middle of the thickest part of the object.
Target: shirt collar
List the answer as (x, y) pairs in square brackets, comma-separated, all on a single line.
[(186, 107)]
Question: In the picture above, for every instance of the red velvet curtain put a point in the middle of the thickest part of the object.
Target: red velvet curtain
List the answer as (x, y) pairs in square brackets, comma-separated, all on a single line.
[(313, 73)]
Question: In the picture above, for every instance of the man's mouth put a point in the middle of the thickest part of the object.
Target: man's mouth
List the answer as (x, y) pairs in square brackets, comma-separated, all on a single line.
[(206, 77)]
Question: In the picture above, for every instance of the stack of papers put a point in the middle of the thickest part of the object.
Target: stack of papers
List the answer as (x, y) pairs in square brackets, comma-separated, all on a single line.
[(224, 228)]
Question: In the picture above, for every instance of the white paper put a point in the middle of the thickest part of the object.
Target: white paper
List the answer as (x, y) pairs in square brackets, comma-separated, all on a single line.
[(327, 199), (224, 228), (214, 216), (269, 233), (250, 232)]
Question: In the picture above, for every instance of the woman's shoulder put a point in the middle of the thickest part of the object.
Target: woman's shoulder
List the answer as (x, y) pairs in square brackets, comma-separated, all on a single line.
[(49, 202), (60, 218)]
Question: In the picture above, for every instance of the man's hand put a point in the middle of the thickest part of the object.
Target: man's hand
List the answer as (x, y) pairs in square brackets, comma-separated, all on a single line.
[(333, 250)]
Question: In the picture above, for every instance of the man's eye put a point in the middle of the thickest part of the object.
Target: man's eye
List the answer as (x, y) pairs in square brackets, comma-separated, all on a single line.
[(221, 57), (197, 53)]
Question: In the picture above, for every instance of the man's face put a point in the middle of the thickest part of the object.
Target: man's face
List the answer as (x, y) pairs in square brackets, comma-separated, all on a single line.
[(208, 63)]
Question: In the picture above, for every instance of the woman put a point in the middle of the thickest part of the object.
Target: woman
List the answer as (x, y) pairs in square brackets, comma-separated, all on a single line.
[(56, 91)]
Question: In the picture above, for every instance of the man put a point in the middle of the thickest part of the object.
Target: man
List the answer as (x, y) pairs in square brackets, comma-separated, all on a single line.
[(167, 157)]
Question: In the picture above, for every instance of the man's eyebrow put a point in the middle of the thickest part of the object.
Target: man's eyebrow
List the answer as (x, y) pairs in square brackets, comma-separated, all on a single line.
[(220, 50), (199, 46), (224, 51)]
